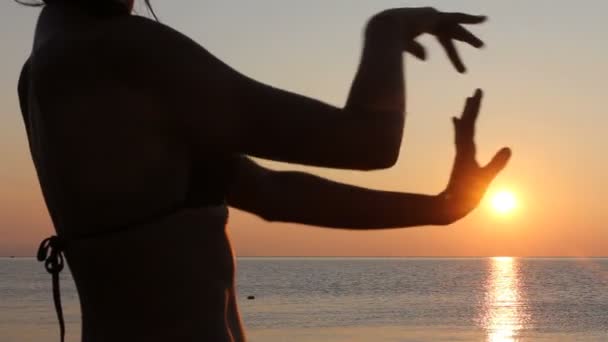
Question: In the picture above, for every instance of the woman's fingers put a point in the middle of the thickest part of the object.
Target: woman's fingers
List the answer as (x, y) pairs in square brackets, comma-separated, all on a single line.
[(449, 28), (471, 111), (457, 32), (463, 18), (428, 19), (445, 26), (450, 49), (416, 49), (465, 146), (459, 134), (469, 115), (465, 126)]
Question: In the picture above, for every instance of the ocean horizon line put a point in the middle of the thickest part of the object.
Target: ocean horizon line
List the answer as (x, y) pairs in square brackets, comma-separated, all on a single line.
[(375, 257)]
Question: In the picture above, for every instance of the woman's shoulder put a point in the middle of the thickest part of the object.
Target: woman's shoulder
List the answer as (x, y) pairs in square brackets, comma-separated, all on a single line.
[(138, 28), (145, 35), (123, 37), (123, 47)]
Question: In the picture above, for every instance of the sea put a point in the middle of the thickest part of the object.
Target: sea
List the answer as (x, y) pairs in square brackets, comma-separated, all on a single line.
[(367, 299)]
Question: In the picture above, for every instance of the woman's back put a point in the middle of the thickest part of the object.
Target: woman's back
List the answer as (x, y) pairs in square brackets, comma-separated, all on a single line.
[(84, 106), (116, 175)]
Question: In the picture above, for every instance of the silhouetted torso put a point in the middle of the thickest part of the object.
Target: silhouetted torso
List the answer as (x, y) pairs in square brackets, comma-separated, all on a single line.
[(109, 159)]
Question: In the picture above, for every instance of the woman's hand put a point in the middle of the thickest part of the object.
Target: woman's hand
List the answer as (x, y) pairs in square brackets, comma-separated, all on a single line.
[(468, 182), (405, 24)]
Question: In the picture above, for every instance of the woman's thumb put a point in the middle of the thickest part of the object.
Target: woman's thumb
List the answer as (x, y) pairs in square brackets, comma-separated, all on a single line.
[(498, 163)]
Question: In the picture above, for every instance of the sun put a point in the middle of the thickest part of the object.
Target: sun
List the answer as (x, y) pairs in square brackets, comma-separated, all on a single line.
[(504, 202)]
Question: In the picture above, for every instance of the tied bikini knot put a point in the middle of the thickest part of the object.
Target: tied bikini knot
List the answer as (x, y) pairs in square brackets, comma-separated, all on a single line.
[(51, 253)]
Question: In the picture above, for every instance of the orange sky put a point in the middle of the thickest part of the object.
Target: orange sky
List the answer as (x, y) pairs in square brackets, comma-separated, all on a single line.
[(544, 76)]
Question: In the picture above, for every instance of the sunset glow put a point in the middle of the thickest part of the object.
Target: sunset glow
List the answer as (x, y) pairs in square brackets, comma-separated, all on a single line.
[(504, 202), (556, 178)]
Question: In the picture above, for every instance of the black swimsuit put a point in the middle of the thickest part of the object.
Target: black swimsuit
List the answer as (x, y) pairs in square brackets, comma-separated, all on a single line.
[(51, 252), (207, 189)]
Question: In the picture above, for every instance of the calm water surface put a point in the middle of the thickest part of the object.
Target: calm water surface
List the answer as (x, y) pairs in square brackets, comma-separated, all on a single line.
[(351, 299)]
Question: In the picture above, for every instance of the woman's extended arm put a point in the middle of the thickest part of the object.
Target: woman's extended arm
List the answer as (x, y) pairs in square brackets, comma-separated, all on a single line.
[(221, 108), (307, 199), (303, 198)]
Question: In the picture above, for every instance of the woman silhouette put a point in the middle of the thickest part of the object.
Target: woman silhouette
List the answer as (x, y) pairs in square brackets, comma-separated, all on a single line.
[(141, 138)]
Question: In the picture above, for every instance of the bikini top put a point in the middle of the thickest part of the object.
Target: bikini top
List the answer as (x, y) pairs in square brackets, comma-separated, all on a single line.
[(51, 252), (207, 189)]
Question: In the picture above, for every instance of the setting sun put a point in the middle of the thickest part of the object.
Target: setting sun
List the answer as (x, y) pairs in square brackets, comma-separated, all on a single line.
[(504, 202)]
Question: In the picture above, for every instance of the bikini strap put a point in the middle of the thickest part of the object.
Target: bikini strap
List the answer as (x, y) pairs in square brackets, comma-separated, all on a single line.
[(51, 253)]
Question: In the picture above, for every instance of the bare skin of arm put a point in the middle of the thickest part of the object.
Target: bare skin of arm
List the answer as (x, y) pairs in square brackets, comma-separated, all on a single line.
[(242, 116), (303, 198)]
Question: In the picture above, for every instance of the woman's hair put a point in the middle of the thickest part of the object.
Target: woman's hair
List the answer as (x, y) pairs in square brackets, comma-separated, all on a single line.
[(97, 7)]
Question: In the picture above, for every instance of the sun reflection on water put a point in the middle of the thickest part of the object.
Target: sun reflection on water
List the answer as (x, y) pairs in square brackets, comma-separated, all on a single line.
[(503, 315)]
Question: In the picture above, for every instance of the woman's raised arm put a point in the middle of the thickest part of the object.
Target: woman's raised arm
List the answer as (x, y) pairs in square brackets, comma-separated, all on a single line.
[(219, 108)]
